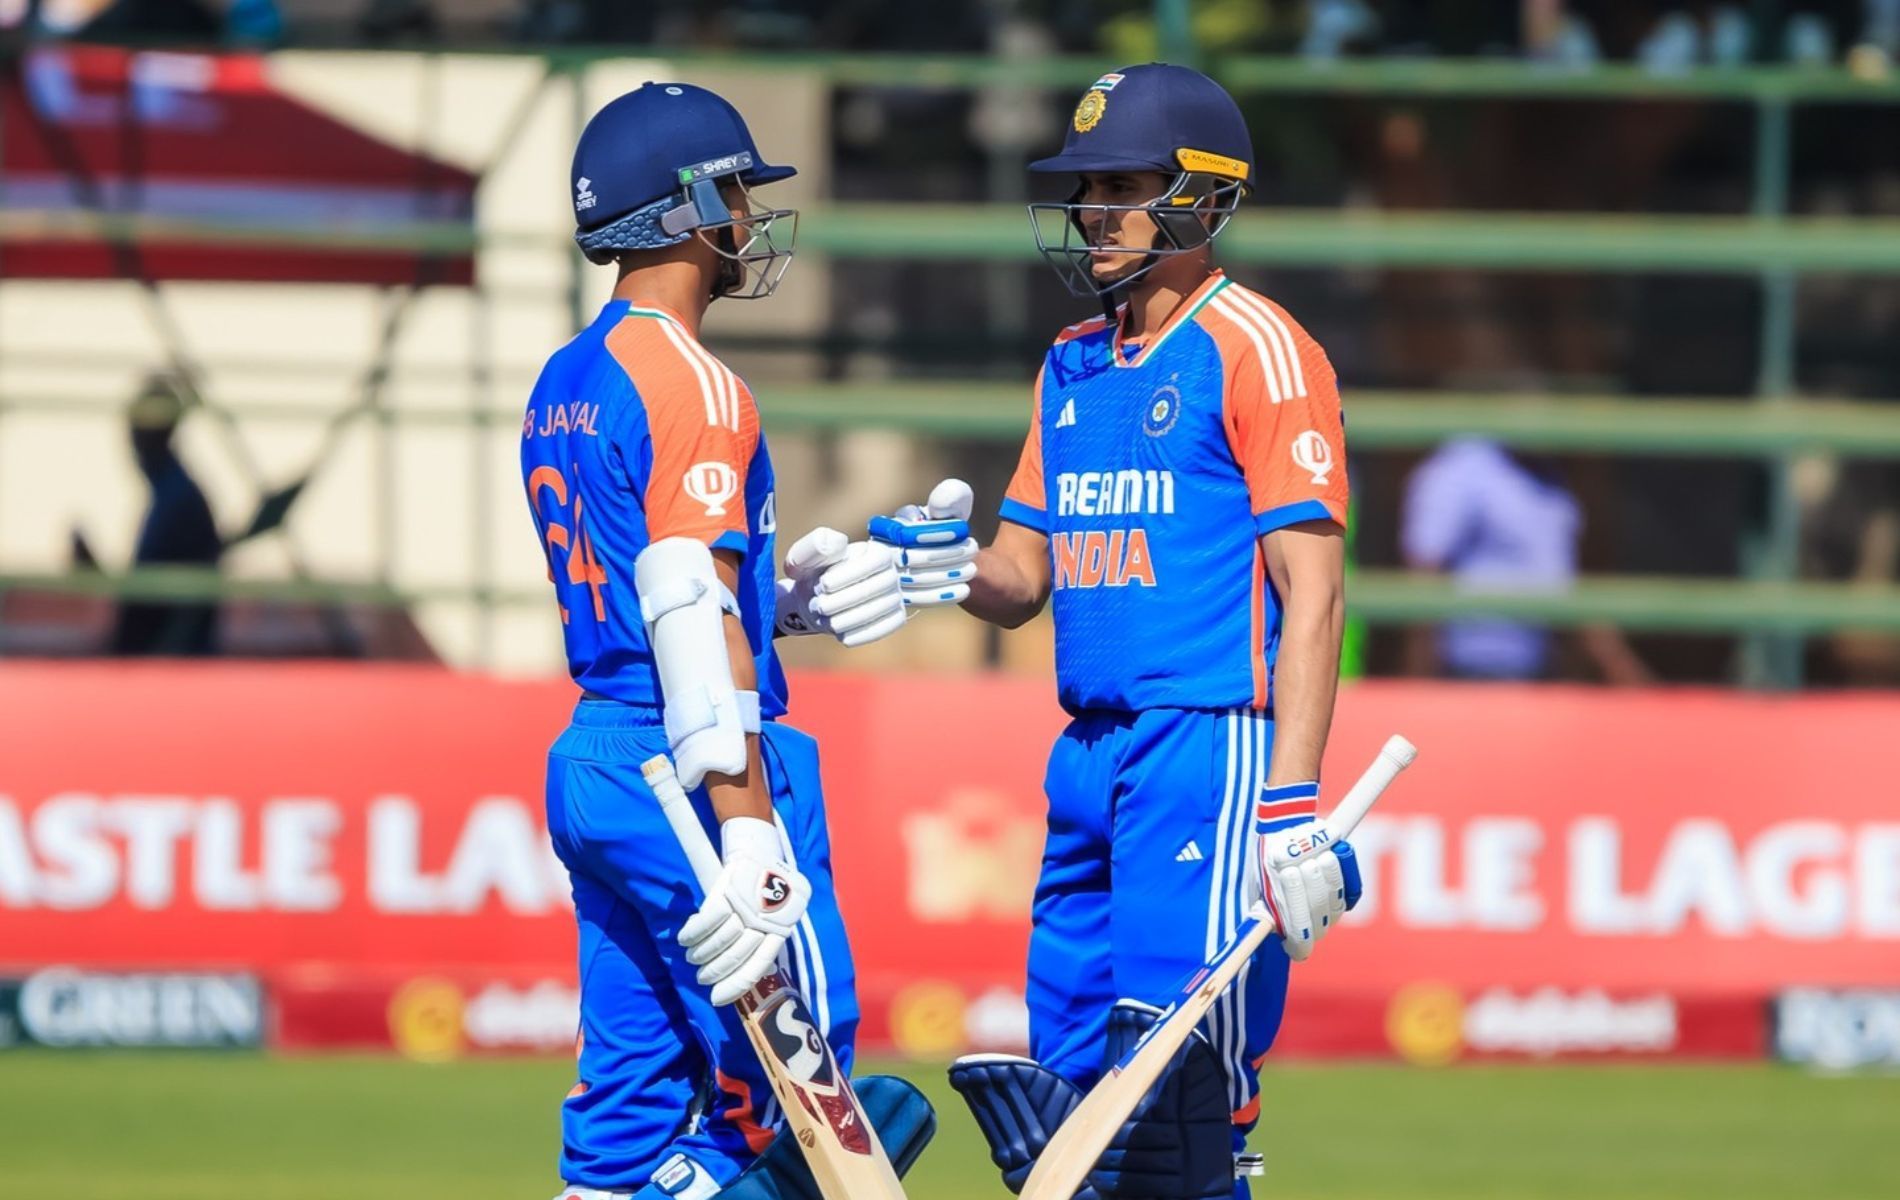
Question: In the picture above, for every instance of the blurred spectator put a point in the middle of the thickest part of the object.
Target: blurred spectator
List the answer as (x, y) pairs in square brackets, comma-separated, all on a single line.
[(1496, 523), (178, 530), (159, 19), (1853, 534), (394, 20), (254, 22)]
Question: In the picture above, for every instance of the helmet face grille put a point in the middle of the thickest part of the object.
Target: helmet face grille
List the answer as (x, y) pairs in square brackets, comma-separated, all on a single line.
[(758, 252), (753, 256), (1191, 212)]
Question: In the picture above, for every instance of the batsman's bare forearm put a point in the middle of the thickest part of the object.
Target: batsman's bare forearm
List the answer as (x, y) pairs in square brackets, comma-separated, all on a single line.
[(744, 794), (1012, 577), (1307, 563)]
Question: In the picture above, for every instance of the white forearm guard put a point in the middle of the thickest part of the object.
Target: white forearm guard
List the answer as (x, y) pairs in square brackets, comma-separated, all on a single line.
[(682, 601)]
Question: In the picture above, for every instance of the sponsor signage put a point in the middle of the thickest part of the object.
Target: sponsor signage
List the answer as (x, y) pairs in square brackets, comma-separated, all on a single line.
[(1838, 1029), (430, 1018), (64, 1007), (1571, 864), (1433, 1023)]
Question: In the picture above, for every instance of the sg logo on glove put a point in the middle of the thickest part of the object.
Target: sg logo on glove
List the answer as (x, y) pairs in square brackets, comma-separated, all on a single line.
[(774, 891)]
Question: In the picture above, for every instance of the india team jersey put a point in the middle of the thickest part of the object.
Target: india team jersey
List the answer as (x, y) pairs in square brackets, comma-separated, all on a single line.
[(634, 433), (1155, 477)]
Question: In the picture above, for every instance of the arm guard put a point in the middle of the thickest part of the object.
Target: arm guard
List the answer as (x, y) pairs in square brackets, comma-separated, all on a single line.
[(683, 604)]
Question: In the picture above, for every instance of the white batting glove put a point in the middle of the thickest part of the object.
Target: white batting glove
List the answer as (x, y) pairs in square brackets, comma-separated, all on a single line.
[(1296, 876), (936, 556), (834, 585), (735, 937)]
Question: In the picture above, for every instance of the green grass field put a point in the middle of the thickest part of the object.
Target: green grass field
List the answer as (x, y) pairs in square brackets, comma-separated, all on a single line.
[(114, 1126)]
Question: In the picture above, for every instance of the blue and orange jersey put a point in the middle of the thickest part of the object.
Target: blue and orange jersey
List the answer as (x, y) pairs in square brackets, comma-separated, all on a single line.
[(1155, 477), (634, 433)]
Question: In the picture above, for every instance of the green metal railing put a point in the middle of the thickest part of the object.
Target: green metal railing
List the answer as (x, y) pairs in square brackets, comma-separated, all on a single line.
[(1260, 75), (1379, 596), (1280, 237), (1766, 243), (1379, 419)]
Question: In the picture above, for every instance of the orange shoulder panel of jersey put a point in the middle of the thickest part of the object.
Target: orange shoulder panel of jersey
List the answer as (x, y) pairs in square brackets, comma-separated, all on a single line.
[(1083, 328), (1025, 486), (1280, 405), (703, 423)]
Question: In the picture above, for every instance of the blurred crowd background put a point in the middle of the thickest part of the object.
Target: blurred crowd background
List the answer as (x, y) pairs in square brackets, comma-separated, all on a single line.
[(1611, 289), (1659, 33)]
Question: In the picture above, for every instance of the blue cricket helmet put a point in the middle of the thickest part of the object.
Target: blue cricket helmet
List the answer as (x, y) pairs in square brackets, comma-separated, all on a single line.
[(1156, 117), (1151, 118), (648, 167)]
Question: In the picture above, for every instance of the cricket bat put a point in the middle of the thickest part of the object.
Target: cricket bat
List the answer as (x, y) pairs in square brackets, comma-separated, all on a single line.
[(823, 1112), (1071, 1154)]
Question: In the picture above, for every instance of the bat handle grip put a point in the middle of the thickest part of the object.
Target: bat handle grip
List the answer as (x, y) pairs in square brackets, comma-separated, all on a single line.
[(683, 819), (1393, 757)]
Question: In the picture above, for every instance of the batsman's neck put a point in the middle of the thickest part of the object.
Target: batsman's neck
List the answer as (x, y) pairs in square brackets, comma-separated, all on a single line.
[(1156, 295), (678, 283)]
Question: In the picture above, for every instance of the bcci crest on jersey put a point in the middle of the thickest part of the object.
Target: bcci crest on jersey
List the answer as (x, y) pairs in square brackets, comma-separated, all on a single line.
[(1164, 409)]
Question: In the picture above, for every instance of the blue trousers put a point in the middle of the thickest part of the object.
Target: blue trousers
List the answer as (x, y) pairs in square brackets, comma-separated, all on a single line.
[(1150, 819), (661, 1071)]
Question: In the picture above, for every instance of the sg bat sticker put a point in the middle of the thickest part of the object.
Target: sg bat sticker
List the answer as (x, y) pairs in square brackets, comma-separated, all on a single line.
[(795, 1041)]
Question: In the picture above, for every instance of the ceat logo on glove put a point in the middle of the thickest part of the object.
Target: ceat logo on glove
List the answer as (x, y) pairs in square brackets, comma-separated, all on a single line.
[(711, 484), (1317, 840), (774, 891)]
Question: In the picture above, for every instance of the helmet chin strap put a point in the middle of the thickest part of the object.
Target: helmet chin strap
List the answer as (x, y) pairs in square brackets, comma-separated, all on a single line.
[(729, 274)]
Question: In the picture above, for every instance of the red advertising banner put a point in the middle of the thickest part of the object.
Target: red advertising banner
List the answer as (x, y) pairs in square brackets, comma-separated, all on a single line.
[(180, 138), (1565, 871)]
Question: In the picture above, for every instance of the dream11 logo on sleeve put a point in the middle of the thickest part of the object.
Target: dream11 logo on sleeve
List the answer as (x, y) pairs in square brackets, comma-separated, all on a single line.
[(711, 484), (1313, 455)]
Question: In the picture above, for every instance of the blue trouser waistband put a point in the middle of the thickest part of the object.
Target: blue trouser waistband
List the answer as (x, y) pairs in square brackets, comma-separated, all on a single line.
[(598, 712)]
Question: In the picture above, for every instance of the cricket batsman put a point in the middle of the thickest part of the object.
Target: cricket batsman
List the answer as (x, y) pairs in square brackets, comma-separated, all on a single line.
[(1181, 500), (652, 493)]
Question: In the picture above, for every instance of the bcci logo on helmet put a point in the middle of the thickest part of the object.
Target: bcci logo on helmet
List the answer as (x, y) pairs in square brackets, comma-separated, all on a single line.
[(1088, 114)]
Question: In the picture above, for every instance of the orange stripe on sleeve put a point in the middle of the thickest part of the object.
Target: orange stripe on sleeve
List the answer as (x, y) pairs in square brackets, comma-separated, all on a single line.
[(1026, 501), (1281, 410), (1258, 624), (704, 428)]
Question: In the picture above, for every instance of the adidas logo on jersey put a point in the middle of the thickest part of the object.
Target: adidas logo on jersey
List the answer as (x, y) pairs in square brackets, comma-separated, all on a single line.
[(1190, 853), (1067, 416)]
